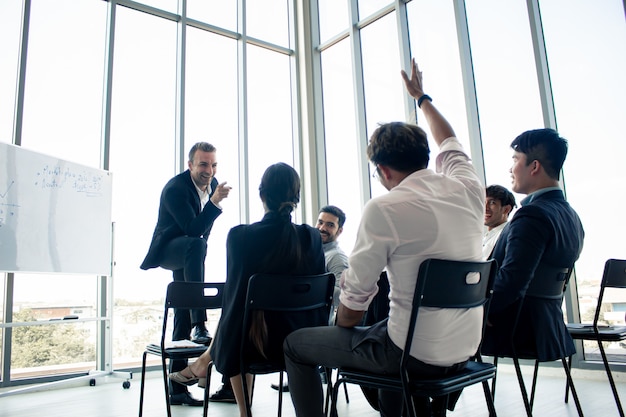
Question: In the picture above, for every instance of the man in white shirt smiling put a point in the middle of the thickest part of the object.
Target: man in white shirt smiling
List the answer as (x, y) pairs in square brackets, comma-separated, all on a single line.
[(498, 205)]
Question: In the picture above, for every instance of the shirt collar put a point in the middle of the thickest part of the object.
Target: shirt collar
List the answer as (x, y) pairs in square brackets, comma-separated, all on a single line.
[(530, 197)]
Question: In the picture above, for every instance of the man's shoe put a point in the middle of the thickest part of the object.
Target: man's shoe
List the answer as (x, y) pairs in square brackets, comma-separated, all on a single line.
[(284, 388), (184, 398), (201, 335), (223, 395)]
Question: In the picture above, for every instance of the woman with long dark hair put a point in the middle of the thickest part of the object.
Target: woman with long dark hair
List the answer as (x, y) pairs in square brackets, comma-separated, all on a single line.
[(274, 245)]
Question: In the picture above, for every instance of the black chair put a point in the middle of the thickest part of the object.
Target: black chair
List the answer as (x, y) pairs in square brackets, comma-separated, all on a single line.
[(185, 295), (440, 284), (549, 283), (286, 294), (614, 277)]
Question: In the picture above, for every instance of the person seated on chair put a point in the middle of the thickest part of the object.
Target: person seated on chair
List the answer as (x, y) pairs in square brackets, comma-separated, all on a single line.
[(424, 215), (498, 205), (189, 205), (545, 231), (330, 223), (276, 246)]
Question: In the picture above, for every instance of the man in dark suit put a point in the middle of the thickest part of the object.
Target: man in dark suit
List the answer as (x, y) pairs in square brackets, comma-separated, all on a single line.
[(545, 233), (189, 205)]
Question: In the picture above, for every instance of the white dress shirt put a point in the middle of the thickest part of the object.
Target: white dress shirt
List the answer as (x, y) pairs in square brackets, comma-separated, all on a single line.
[(427, 215)]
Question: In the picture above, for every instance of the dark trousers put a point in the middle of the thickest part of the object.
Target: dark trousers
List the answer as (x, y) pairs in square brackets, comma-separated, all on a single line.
[(366, 348), (185, 256)]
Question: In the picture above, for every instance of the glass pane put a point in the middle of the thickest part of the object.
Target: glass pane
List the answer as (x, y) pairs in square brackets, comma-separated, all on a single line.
[(598, 63), (259, 14), (368, 7), (439, 60), (221, 13), (10, 22), (63, 93), (333, 18), (269, 118), (341, 139), (506, 80), (54, 348), (211, 116), (142, 161), (382, 82)]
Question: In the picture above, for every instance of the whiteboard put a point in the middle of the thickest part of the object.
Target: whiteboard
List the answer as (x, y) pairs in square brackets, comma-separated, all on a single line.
[(55, 215)]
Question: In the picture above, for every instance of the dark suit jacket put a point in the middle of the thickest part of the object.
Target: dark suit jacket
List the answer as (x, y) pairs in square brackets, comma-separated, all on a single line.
[(246, 247), (546, 232), (180, 215)]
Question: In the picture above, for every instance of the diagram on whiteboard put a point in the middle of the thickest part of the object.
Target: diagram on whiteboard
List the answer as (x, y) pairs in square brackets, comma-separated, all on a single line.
[(55, 215)]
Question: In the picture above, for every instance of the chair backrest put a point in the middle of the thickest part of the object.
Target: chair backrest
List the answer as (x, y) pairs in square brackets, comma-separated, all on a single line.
[(193, 296), (451, 284), (549, 282), (614, 273), (614, 276), (287, 293)]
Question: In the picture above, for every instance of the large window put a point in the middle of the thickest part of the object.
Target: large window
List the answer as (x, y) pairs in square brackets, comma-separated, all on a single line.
[(61, 117), (232, 78), (142, 161), (342, 154), (10, 19), (594, 61)]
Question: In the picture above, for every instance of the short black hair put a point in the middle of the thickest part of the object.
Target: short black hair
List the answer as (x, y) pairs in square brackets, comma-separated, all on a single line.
[(545, 146), (501, 194), (401, 146), (335, 211)]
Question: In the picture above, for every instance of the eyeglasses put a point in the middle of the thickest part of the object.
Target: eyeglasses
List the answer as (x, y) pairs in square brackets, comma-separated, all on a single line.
[(376, 173)]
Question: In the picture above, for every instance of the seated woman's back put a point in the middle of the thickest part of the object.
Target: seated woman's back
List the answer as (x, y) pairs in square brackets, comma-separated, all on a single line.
[(276, 246)]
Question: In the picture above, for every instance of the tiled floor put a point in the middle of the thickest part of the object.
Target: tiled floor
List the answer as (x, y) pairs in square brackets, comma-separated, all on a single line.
[(108, 399)]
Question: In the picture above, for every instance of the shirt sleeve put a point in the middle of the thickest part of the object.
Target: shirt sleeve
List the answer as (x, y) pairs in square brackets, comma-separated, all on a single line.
[(376, 239)]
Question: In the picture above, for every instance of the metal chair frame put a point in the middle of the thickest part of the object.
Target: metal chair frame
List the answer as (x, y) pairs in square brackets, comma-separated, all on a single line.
[(614, 276), (549, 283), (442, 284), (285, 294), (183, 295)]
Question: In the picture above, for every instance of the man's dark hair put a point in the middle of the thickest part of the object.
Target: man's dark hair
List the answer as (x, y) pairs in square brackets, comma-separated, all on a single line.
[(545, 146), (335, 211), (400, 146), (202, 146), (504, 196)]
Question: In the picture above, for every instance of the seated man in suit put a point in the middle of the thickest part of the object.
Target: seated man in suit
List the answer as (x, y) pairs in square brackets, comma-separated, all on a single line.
[(545, 232)]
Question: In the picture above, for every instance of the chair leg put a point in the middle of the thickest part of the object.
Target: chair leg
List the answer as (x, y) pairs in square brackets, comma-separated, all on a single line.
[(493, 383), (334, 396), (569, 366), (143, 381), (329, 389), (166, 387), (532, 391), (522, 387), (570, 383), (207, 390), (489, 399), (280, 394), (611, 381)]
